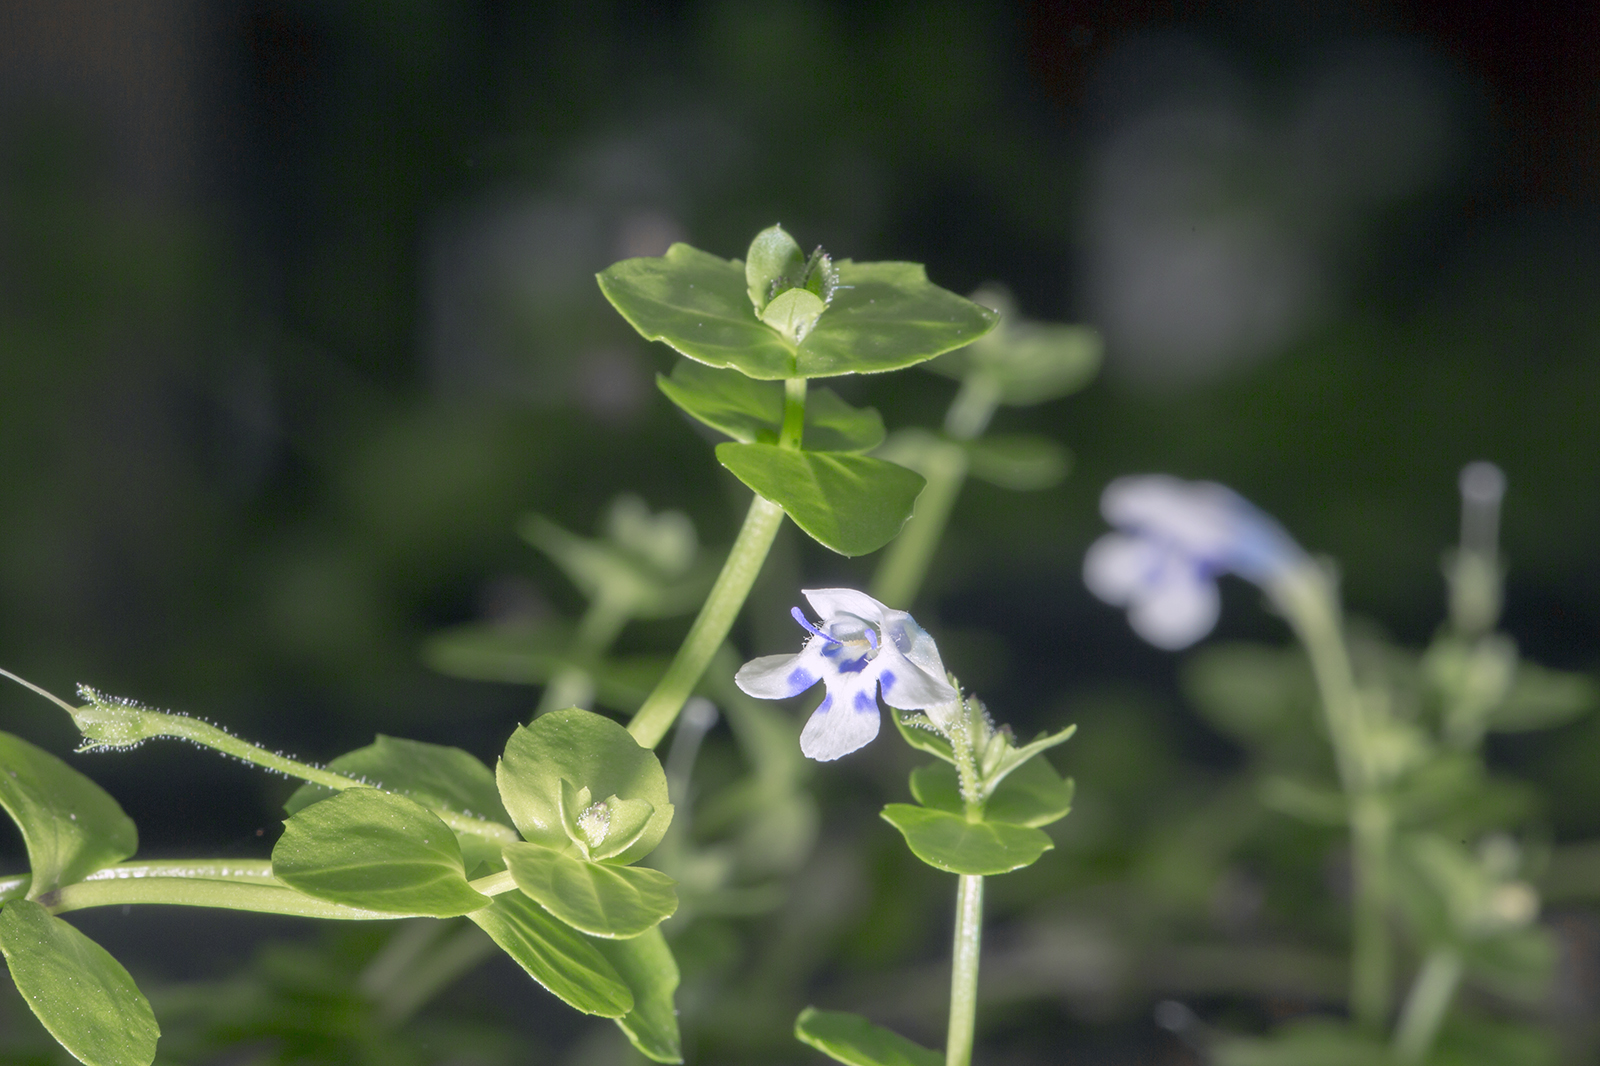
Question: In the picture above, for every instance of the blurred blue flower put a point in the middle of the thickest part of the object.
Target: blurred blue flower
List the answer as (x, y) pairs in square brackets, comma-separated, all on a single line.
[(859, 647), (1174, 539)]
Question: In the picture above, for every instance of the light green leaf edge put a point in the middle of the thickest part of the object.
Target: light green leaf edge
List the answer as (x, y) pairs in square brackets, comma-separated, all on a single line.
[(647, 966), (1033, 795), (950, 843), (70, 826), (615, 902), (564, 961), (751, 411), (851, 504), (82, 996), (851, 1039), (373, 849)]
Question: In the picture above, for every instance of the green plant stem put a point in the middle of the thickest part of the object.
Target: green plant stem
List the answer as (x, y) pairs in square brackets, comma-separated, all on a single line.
[(899, 576), (964, 971), (656, 715), (151, 724), (1308, 599), (573, 686), (419, 962), (246, 885), (1426, 1004)]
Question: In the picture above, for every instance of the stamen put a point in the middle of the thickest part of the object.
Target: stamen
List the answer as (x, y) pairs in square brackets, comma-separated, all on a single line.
[(872, 638), (794, 612)]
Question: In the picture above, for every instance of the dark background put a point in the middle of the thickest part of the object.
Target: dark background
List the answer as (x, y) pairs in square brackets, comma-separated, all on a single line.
[(297, 316)]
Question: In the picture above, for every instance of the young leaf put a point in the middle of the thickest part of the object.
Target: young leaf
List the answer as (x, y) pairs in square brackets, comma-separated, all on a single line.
[(773, 257), (851, 1039), (436, 776), (559, 957), (82, 995), (1033, 794), (1017, 462), (588, 751), (646, 965), (70, 825), (592, 897), (883, 316), (377, 850), (852, 504), (951, 843), (1541, 698), (1028, 362), (751, 411)]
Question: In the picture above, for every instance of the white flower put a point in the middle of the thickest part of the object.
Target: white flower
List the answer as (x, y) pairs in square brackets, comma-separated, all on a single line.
[(1174, 538), (859, 647)]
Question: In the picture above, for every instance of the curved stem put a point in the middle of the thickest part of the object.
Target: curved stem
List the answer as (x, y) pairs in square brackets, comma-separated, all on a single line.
[(964, 971), (899, 576), (1308, 599)]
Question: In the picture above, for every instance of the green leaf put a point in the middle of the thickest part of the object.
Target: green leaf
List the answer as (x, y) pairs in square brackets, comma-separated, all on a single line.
[(951, 843), (851, 1039), (773, 256), (525, 655), (1541, 698), (751, 411), (70, 825), (1024, 362), (1032, 795), (436, 776), (588, 751), (82, 995), (377, 850), (592, 897), (852, 504), (559, 957), (602, 567), (646, 965), (1017, 462), (883, 316)]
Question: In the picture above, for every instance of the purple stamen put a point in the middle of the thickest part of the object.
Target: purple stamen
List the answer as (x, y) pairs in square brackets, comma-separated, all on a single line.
[(872, 638), (794, 612)]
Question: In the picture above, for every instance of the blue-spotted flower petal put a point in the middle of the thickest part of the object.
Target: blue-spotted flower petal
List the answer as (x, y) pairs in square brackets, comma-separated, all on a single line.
[(1174, 539), (857, 649)]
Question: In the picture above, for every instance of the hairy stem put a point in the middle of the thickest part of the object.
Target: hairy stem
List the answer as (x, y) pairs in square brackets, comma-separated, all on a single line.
[(238, 886)]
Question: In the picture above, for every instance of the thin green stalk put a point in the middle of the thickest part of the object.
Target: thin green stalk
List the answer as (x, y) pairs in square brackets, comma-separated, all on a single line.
[(1427, 1004), (899, 576), (198, 884), (445, 961), (1310, 603), (109, 723), (573, 686), (964, 971), (656, 715)]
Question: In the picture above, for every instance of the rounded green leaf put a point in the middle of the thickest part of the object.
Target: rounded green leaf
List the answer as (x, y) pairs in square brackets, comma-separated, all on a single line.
[(646, 965), (1028, 362), (1018, 462), (951, 843), (1032, 795), (883, 316), (751, 411), (851, 1039), (772, 257), (559, 957), (853, 504), (592, 897), (70, 825), (82, 995), (436, 776), (522, 655), (586, 750), (376, 850)]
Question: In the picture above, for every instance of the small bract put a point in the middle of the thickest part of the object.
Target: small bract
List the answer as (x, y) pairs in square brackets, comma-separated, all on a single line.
[(859, 647), (1174, 539)]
